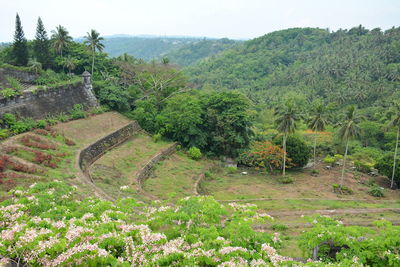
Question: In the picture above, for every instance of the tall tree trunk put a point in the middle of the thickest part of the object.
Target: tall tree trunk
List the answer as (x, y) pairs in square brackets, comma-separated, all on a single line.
[(93, 63), (284, 155), (315, 149), (344, 161), (395, 156)]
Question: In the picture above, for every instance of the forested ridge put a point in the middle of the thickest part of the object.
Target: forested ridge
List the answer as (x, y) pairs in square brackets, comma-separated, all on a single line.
[(356, 66)]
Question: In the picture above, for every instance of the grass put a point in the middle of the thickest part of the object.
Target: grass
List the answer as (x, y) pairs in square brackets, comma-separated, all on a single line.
[(119, 166), (174, 177)]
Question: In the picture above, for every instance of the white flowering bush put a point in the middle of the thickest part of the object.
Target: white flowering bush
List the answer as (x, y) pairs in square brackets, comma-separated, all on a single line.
[(48, 225), (45, 225), (359, 245)]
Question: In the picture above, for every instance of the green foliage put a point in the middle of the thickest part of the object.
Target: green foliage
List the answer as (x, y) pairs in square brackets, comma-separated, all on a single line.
[(77, 112), (297, 150), (4, 134), (320, 64), (41, 45), (286, 179), (113, 96), (49, 77), (231, 169), (376, 191), (342, 189), (360, 245), (195, 153), (14, 83), (156, 137), (20, 47), (385, 167), (9, 92), (362, 166), (279, 227)]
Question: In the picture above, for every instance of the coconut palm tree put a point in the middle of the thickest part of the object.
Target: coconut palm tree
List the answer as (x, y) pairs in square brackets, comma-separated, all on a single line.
[(70, 63), (348, 131), (35, 65), (93, 41), (286, 118), (61, 39), (318, 124), (395, 122)]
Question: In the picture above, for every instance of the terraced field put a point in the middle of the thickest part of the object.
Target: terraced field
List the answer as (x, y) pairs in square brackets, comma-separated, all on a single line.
[(120, 166), (175, 177)]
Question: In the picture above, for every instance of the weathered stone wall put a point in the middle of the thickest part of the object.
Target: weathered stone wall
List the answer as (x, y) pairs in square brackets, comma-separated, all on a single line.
[(145, 172), (41, 103), (97, 149), (22, 76)]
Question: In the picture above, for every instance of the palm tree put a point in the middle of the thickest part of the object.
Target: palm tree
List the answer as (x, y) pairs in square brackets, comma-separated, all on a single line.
[(287, 116), (35, 65), (61, 39), (70, 63), (93, 40), (318, 124), (348, 131), (395, 122)]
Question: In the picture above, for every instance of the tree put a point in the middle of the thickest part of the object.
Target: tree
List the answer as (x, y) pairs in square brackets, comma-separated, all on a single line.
[(348, 131), (318, 124), (386, 165), (41, 45), (395, 122), (286, 118), (61, 39), (93, 41), (20, 47), (70, 63), (228, 120), (35, 65)]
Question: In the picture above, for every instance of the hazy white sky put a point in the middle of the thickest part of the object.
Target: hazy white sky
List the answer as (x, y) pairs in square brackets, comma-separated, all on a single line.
[(211, 18)]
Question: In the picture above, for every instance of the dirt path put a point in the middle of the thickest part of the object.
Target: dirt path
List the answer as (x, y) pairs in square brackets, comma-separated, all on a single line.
[(309, 199), (282, 213)]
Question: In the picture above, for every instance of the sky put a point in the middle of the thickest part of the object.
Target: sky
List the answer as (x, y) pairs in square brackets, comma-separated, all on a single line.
[(236, 19)]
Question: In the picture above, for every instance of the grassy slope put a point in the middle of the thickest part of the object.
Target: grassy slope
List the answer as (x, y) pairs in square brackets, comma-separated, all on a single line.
[(83, 132), (174, 177), (118, 167)]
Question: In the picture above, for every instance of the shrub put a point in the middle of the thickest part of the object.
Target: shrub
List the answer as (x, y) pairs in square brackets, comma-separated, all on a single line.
[(264, 154), (286, 180), (376, 191), (314, 172), (364, 167), (41, 124), (156, 137), (231, 169), (385, 167), (77, 112), (296, 149), (342, 189), (8, 93), (4, 133), (329, 160), (279, 227), (195, 153)]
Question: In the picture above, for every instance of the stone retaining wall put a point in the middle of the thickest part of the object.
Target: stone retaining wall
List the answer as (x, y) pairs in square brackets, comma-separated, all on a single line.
[(22, 76), (94, 151), (144, 172)]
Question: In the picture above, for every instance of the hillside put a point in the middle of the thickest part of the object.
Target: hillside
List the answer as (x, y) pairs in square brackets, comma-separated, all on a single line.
[(192, 52), (180, 50), (357, 66)]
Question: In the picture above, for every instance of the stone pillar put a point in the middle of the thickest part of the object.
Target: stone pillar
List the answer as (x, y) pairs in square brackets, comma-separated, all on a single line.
[(87, 83)]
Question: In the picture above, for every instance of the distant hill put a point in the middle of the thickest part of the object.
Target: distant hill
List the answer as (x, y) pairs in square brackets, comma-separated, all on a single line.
[(356, 66), (180, 50), (192, 52), (147, 48)]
